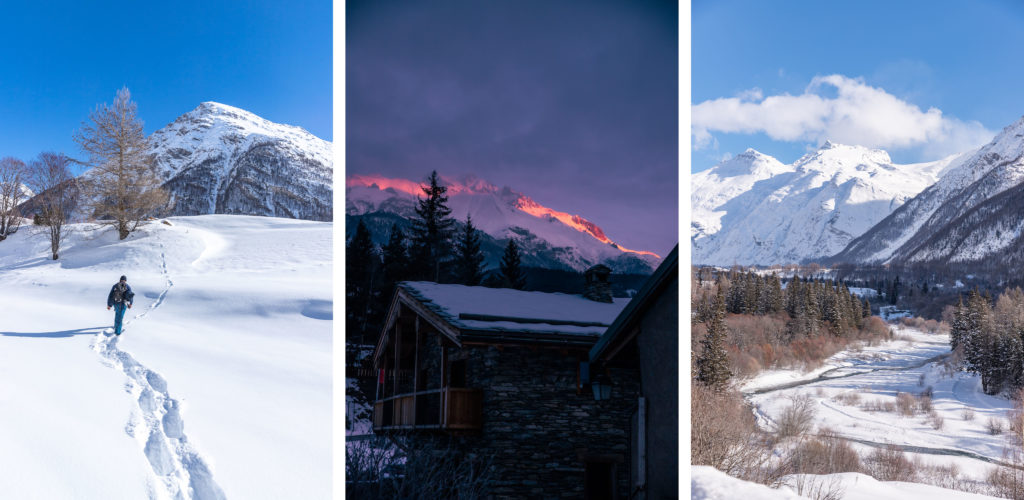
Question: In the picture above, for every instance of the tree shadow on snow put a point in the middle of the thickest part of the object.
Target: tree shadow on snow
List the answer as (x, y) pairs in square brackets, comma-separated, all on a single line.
[(56, 335)]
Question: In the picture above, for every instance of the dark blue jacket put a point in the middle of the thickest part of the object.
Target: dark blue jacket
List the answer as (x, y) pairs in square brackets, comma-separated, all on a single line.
[(128, 295)]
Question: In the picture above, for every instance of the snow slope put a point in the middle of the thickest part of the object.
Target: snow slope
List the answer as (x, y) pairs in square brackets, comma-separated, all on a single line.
[(708, 483), (569, 239), (220, 386), (754, 210)]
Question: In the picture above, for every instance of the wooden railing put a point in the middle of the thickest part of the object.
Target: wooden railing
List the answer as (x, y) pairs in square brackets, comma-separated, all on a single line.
[(446, 409)]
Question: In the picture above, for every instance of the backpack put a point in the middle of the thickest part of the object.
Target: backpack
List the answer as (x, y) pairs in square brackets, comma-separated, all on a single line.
[(119, 292)]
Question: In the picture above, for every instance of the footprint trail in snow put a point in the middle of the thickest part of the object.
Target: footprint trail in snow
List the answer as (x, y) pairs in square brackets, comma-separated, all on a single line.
[(156, 422)]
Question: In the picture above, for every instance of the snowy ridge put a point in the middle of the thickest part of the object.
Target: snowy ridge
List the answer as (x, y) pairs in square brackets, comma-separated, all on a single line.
[(926, 229), (222, 159), (752, 209), (571, 240)]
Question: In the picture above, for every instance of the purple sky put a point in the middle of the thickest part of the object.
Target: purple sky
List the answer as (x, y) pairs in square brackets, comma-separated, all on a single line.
[(573, 103)]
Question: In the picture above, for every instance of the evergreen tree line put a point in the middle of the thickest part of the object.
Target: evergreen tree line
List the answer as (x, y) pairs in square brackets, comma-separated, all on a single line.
[(808, 307), (812, 305), (988, 339), (434, 250)]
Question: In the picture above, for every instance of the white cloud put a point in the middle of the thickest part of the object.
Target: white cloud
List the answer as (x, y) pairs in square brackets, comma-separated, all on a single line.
[(754, 94), (858, 114)]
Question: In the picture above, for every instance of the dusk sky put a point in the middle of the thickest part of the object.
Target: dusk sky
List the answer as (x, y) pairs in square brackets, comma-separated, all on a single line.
[(59, 59), (572, 103), (919, 79)]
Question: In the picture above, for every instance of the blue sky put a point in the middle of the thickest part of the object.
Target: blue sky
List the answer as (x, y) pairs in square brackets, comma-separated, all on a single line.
[(918, 79), (58, 60)]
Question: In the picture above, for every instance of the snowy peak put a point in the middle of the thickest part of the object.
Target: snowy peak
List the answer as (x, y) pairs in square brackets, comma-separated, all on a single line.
[(222, 159), (750, 162), (753, 209), (832, 158), (971, 213), (500, 212)]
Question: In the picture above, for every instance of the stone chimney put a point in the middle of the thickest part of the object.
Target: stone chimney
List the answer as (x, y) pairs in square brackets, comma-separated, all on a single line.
[(598, 288)]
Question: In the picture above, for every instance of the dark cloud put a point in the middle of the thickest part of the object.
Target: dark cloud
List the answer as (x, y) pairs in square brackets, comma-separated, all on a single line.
[(572, 103)]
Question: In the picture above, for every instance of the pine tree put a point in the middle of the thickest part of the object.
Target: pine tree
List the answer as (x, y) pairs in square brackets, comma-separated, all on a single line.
[(361, 269), (832, 313), (794, 297), (713, 362), (511, 273), (775, 303), (468, 256), (958, 328), (395, 258), (432, 231), (895, 295)]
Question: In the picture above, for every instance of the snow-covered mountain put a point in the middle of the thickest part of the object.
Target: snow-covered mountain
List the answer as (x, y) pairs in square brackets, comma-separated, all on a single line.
[(754, 210), (972, 213), (547, 237), (225, 160)]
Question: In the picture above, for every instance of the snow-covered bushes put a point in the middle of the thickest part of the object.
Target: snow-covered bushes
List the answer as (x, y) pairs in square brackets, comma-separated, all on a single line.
[(415, 469), (850, 398), (797, 419), (725, 436), (1008, 482), (817, 488), (825, 453), (889, 464), (994, 426), (906, 404)]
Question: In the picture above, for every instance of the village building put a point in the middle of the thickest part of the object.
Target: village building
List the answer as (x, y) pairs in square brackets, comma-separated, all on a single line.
[(509, 375), (645, 337)]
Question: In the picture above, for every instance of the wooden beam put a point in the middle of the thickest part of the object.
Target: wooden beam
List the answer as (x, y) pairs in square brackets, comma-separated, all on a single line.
[(394, 310), (430, 316), (398, 354), (416, 369)]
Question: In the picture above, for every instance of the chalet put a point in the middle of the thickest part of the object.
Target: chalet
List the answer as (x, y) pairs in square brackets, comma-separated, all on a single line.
[(504, 373), (645, 337)]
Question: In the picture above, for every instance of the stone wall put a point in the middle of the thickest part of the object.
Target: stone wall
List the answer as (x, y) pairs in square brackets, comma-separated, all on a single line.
[(537, 429), (657, 345)]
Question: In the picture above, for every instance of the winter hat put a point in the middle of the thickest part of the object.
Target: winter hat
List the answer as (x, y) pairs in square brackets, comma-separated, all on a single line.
[(124, 278)]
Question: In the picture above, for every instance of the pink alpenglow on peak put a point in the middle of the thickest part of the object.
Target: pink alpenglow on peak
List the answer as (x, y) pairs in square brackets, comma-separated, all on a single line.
[(496, 211)]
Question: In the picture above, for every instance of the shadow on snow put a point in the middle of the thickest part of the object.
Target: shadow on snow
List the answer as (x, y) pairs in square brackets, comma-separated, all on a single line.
[(56, 335)]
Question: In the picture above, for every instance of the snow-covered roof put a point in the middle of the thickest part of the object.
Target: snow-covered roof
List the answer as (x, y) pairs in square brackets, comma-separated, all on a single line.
[(480, 308)]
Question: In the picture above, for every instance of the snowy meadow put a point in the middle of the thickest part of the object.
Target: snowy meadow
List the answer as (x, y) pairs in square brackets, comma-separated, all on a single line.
[(219, 387)]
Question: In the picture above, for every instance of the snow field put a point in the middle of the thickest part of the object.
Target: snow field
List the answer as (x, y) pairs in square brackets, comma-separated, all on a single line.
[(859, 395), (708, 483), (219, 387)]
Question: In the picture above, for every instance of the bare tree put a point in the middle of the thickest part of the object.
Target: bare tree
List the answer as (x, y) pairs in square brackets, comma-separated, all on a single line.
[(12, 179), (57, 196), (123, 187)]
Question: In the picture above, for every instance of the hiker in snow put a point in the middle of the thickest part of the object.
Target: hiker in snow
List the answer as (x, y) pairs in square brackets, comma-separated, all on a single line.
[(120, 296)]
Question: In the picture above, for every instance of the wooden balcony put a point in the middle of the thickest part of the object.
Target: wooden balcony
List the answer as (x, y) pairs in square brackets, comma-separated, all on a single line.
[(446, 409)]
